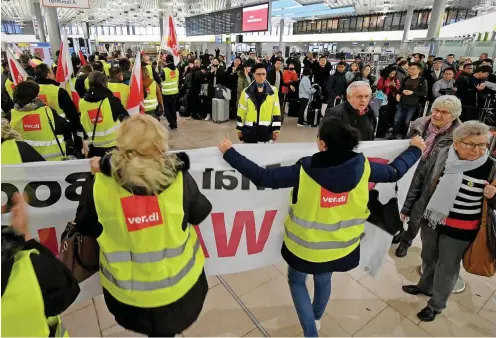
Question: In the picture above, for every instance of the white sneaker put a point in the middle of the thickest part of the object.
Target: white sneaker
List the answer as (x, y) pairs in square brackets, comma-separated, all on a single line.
[(208, 118), (317, 324)]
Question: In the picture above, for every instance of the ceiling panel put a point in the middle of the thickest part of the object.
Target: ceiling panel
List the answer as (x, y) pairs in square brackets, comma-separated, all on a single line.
[(146, 12)]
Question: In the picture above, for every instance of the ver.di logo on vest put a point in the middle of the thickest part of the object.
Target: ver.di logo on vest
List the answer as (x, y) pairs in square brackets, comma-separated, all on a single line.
[(31, 122), (329, 199), (141, 212), (92, 115)]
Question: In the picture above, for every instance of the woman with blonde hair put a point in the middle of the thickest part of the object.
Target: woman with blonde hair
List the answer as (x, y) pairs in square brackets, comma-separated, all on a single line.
[(14, 150), (141, 208)]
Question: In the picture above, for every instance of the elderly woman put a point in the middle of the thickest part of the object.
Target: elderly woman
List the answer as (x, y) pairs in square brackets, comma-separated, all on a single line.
[(356, 110), (437, 131), (140, 209), (451, 187)]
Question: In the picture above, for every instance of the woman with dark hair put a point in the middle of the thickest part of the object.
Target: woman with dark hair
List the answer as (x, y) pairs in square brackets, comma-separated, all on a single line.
[(316, 242), (305, 92), (232, 83), (350, 75), (389, 85), (366, 75)]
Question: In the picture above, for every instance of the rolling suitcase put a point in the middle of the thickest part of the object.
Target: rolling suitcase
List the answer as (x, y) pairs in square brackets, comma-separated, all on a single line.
[(220, 110), (294, 107)]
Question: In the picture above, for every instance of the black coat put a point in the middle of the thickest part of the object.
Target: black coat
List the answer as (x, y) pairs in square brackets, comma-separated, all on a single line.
[(271, 77), (336, 86), (364, 123), (466, 89), (232, 79), (199, 78), (321, 74), (169, 319), (431, 78)]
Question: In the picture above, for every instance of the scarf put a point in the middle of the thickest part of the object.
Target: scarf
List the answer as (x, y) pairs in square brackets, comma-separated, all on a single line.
[(433, 132), (449, 185), (33, 105)]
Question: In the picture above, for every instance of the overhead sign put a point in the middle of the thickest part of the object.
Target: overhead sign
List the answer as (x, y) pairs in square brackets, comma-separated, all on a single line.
[(256, 18), (66, 3)]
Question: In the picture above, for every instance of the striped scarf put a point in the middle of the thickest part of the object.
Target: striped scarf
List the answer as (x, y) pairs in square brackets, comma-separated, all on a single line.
[(433, 132)]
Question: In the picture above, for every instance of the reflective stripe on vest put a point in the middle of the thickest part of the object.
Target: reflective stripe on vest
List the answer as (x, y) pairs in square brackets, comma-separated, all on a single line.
[(151, 102), (106, 127), (23, 308), (249, 114), (324, 226), (10, 152), (35, 130), (137, 266), (170, 85)]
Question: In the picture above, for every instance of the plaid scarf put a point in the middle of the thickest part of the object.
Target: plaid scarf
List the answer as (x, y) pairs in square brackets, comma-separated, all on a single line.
[(433, 132)]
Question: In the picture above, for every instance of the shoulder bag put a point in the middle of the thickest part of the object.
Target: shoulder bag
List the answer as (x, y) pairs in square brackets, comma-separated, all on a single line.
[(91, 146), (64, 158)]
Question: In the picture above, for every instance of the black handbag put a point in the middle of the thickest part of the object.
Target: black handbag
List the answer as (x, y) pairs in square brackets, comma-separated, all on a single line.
[(385, 216)]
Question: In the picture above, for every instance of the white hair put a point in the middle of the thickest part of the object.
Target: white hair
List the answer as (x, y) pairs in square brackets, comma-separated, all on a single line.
[(357, 84), (470, 128), (449, 102)]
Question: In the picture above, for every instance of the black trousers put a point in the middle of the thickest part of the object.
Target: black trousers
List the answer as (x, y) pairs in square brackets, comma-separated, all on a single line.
[(170, 109), (301, 111), (233, 105)]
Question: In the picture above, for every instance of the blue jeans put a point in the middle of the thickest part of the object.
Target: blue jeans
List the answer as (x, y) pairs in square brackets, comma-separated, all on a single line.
[(307, 311), (404, 114)]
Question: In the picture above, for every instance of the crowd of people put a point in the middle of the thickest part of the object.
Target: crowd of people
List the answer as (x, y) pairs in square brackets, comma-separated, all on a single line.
[(159, 289)]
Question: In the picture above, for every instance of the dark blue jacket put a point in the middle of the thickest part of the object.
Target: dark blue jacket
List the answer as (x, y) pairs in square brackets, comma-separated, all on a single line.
[(335, 172)]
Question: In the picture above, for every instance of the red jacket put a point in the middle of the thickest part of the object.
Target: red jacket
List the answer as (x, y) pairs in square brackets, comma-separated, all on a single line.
[(386, 88), (288, 78)]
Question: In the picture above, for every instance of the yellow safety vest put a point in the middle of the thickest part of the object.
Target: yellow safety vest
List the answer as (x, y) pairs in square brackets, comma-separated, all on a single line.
[(35, 130), (36, 61), (106, 67), (23, 308), (270, 111), (106, 128), (87, 83), (150, 71), (10, 152), (324, 226), (146, 259), (120, 90), (151, 101), (10, 86), (170, 85), (49, 94)]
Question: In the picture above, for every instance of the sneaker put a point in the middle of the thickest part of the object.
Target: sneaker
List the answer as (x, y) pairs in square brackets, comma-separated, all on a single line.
[(317, 324), (301, 124), (208, 118)]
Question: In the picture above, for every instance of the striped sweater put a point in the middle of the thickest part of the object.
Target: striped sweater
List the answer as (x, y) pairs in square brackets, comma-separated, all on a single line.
[(464, 217)]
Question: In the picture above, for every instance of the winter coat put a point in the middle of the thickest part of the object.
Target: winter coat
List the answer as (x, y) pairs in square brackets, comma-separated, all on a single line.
[(335, 170), (271, 78), (243, 82), (364, 123), (162, 320), (58, 287), (336, 86), (466, 89), (446, 64), (401, 74), (289, 78), (198, 79), (147, 82), (384, 85), (441, 84), (419, 127), (321, 74), (350, 76), (369, 79), (79, 85), (431, 79), (305, 89)]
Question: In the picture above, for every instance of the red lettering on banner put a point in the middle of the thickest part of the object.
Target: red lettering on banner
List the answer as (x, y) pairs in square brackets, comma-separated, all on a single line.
[(48, 237), (117, 94), (31, 122), (376, 160), (202, 242), (329, 199), (92, 114), (43, 98), (242, 220), (141, 212)]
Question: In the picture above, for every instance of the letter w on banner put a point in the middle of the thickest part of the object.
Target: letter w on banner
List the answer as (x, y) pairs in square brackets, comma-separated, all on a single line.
[(135, 104), (65, 70), (18, 73)]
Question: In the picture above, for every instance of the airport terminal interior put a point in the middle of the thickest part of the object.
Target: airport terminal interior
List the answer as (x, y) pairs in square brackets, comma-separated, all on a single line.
[(252, 71)]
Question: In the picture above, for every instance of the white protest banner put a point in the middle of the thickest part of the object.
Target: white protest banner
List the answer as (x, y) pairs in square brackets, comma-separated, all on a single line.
[(66, 3), (246, 226)]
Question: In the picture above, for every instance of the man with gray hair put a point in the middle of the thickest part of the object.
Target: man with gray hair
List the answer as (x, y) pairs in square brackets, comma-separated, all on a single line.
[(356, 110)]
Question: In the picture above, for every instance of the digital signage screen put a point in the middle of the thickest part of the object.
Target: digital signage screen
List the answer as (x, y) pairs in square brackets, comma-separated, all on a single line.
[(256, 18)]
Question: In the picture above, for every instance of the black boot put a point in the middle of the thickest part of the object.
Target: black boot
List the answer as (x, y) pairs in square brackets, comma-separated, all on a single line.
[(402, 250), (427, 314), (414, 290)]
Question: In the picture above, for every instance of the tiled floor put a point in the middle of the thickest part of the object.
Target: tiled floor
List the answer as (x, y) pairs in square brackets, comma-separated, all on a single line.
[(360, 305)]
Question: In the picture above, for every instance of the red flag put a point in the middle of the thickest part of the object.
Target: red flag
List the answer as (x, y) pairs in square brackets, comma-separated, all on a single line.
[(172, 45), (135, 103), (65, 70), (18, 73), (83, 60), (60, 77), (17, 50)]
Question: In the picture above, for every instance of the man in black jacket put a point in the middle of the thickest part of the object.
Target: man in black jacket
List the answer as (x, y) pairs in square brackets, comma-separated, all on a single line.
[(216, 76), (274, 76), (336, 85), (435, 74), (468, 88), (356, 111), (412, 91), (199, 78), (321, 73)]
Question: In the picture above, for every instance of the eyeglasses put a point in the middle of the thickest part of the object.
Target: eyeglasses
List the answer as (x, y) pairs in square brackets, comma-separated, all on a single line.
[(442, 112), (471, 146), (261, 74)]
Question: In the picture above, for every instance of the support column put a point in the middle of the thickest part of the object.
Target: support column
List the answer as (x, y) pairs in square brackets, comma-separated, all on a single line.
[(228, 39), (281, 34), (406, 29), (39, 21), (161, 24), (86, 37), (436, 21), (52, 22)]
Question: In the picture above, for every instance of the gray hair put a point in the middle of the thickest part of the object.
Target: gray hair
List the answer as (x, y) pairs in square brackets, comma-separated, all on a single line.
[(357, 84), (97, 78), (8, 133), (451, 103), (470, 128)]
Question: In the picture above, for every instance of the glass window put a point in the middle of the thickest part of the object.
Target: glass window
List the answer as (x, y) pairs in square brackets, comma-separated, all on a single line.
[(329, 26), (314, 26), (92, 29), (105, 30), (365, 25), (340, 25), (451, 16), (99, 30), (118, 30), (17, 29), (373, 23), (462, 13), (335, 25), (359, 23), (112, 30), (353, 21), (423, 21), (396, 22), (414, 20), (319, 26), (149, 30), (471, 14), (346, 25), (380, 22), (388, 22)]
